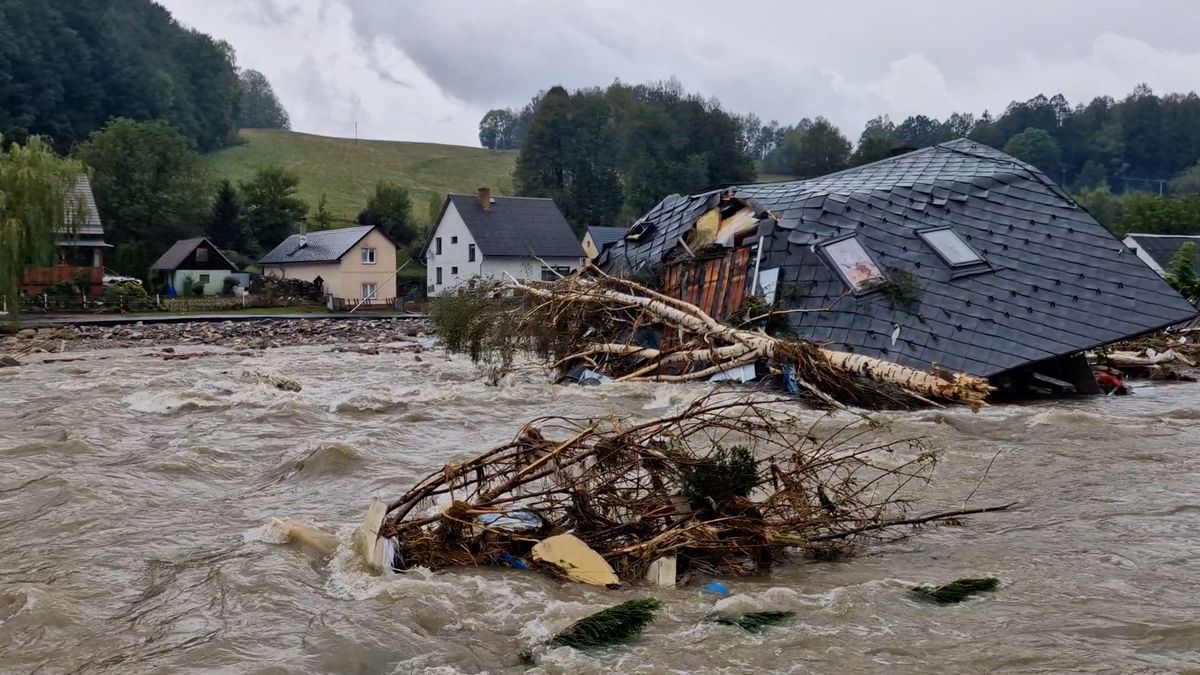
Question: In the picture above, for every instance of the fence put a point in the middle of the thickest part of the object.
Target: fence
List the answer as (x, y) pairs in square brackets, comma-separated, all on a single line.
[(149, 303), (36, 279), (347, 304)]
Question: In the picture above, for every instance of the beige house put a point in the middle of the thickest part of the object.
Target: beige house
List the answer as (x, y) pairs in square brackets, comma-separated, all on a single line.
[(349, 263), (596, 239)]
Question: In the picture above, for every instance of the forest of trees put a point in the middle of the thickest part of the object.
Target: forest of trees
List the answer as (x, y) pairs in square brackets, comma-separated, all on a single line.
[(1133, 162), (606, 155), (76, 65)]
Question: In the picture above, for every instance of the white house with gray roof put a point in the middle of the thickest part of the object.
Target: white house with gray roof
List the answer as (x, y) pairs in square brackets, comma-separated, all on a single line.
[(350, 263), (496, 238)]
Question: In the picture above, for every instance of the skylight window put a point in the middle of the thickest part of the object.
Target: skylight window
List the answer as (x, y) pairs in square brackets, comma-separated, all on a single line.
[(853, 263), (951, 247)]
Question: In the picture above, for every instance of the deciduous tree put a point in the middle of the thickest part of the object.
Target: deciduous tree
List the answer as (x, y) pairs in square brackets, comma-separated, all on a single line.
[(150, 186), (34, 208), (270, 207), (259, 107)]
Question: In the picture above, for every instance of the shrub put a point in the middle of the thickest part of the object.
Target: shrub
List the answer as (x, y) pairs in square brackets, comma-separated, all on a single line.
[(63, 288), (229, 284), (126, 289)]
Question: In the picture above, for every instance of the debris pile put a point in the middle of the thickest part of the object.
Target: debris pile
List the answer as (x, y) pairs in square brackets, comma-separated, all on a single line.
[(599, 325), (237, 335), (727, 486)]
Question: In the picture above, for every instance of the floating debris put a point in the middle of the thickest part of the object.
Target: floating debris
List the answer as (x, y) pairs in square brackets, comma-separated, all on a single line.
[(727, 486), (754, 621), (596, 326), (957, 591), (609, 626)]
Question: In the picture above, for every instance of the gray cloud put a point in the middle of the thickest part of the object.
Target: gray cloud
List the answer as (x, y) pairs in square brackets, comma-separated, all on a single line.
[(428, 70)]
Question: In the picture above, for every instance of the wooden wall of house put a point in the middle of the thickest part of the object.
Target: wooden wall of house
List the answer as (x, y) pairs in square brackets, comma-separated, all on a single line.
[(715, 285)]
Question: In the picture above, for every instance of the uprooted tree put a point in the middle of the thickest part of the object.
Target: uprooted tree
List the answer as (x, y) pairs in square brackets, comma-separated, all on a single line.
[(728, 485), (630, 332)]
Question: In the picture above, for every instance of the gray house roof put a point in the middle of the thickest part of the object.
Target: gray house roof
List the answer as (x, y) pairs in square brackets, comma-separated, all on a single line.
[(602, 236), (81, 202), (324, 246), (517, 227), (1053, 282), (180, 251), (1163, 247)]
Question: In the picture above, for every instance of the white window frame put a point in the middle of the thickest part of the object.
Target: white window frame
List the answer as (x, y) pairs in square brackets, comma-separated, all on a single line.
[(470, 252), (204, 279), (930, 237), (368, 255), (369, 290)]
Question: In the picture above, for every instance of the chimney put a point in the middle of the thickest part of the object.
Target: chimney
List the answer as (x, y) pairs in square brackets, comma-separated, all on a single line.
[(485, 198)]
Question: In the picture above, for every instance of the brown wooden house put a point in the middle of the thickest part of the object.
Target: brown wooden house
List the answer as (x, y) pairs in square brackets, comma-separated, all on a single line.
[(81, 247)]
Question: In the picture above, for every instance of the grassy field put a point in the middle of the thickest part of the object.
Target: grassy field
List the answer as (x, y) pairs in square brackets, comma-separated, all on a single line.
[(346, 171)]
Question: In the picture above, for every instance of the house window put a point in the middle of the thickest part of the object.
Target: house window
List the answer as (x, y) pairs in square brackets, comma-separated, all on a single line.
[(368, 256), (852, 262), (439, 276), (438, 243), (950, 247), (202, 254), (453, 240), (470, 252), (368, 291), (552, 273), (204, 278), (454, 271)]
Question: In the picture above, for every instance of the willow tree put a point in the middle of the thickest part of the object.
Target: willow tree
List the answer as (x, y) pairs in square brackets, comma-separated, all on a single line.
[(34, 186)]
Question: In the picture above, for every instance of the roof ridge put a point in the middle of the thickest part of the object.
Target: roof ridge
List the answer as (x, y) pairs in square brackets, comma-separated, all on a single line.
[(476, 196)]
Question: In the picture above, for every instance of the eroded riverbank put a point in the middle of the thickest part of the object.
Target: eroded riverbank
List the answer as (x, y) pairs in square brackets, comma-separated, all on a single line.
[(136, 490)]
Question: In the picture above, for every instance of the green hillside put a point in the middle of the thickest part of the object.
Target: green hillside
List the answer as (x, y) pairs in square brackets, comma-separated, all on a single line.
[(346, 170)]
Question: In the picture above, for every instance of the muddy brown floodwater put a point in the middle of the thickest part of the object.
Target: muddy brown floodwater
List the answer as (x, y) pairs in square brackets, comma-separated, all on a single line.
[(133, 494)]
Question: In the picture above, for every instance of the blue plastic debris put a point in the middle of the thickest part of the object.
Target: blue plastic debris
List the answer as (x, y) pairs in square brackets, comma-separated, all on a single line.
[(512, 561), (716, 588)]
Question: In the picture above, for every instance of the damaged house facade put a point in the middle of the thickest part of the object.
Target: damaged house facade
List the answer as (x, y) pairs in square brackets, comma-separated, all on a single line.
[(955, 257)]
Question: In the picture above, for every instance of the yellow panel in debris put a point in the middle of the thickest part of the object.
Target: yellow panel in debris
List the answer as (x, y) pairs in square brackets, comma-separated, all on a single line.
[(737, 224), (706, 229), (575, 560)]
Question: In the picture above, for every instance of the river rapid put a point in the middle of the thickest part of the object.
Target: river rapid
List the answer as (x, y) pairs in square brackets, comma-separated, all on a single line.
[(134, 494)]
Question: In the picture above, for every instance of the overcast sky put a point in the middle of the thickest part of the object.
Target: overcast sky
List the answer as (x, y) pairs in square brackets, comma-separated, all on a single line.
[(427, 71)]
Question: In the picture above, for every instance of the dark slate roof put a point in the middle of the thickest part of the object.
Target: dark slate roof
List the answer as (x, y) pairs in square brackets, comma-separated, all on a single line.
[(181, 249), (518, 226), (1163, 247), (1056, 281), (602, 236), (321, 246)]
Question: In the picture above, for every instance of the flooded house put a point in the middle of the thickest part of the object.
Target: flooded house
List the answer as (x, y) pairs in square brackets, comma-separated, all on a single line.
[(955, 257)]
